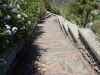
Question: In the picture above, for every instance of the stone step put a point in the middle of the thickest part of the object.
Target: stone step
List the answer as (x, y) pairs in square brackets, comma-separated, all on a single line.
[(66, 49)]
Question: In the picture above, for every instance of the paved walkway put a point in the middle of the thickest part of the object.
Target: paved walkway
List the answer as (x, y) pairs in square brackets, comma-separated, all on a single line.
[(59, 55), (51, 53)]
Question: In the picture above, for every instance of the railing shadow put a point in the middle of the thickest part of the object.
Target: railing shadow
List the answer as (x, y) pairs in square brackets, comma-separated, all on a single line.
[(28, 55)]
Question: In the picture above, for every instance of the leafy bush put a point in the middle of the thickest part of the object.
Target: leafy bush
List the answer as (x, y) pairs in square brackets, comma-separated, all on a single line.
[(17, 17), (97, 17), (96, 27), (50, 6), (55, 9)]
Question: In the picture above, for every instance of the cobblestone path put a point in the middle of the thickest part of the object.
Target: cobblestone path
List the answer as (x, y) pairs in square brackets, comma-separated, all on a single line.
[(58, 56)]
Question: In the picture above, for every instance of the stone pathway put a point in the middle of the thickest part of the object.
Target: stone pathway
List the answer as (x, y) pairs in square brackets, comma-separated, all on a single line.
[(59, 55), (51, 53)]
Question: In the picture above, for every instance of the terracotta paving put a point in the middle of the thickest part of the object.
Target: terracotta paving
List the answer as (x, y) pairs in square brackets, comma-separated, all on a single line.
[(59, 55)]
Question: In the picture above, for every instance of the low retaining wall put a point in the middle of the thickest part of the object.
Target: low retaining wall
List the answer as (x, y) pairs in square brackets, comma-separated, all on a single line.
[(69, 28), (90, 38), (47, 14), (84, 39), (92, 47), (9, 57)]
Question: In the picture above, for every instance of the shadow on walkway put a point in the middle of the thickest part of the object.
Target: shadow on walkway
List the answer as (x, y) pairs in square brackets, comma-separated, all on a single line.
[(28, 55)]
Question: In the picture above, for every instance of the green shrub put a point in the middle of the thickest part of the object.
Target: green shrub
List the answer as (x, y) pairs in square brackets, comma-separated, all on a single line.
[(55, 9), (96, 27), (97, 17), (17, 17)]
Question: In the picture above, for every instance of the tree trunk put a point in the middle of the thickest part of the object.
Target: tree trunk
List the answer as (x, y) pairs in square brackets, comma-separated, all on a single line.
[(86, 19)]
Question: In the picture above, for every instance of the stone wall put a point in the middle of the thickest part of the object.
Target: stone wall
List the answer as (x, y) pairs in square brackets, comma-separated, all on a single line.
[(9, 57)]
